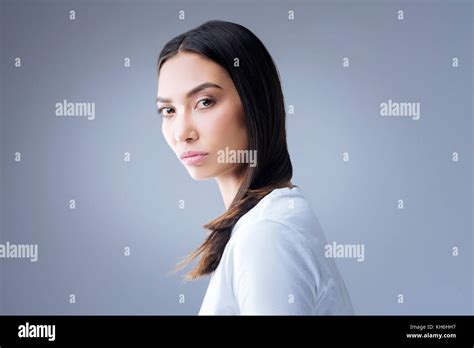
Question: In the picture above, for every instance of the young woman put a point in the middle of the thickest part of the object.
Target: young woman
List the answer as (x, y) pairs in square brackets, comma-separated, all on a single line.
[(222, 105)]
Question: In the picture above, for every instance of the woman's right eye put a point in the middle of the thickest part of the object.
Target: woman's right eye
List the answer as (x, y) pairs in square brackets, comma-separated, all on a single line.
[(165, 111)]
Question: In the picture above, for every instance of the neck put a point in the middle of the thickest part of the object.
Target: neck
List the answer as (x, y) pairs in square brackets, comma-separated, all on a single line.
[(229, 184)]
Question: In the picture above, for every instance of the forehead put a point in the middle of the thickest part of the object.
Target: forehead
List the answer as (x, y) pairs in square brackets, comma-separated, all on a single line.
[(186, 70)]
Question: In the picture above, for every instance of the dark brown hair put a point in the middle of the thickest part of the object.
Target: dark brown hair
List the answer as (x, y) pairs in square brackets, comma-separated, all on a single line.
[(257, 81)]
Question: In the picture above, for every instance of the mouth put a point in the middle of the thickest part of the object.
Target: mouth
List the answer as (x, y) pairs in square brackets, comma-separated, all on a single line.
[(193, 157)]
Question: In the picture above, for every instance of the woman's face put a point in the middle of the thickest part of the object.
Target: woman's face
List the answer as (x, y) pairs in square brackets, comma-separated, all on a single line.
[(201, 113)]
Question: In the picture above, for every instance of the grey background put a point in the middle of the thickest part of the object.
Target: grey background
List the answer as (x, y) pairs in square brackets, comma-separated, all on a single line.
[(135, 204)]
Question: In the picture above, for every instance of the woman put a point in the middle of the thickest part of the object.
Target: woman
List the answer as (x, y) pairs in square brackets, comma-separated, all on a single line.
[(222, 105)]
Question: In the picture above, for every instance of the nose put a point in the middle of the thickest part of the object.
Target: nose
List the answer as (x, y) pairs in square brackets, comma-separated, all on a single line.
[(184, 130)]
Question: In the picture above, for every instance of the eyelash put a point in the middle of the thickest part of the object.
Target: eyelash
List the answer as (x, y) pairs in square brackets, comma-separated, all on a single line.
[(160, 110)]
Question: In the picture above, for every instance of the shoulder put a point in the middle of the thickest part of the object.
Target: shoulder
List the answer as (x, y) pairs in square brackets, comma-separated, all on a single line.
[(282, 223), (264, 233), (281, 210)]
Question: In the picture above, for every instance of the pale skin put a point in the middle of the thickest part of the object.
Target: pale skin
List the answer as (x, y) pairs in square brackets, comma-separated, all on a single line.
[(209, 119)]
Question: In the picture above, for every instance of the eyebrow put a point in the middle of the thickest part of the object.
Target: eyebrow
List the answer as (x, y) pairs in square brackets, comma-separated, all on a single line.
[(191, 92)]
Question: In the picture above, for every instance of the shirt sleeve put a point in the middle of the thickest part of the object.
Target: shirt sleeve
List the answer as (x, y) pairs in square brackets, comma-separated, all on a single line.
[(273, 271)]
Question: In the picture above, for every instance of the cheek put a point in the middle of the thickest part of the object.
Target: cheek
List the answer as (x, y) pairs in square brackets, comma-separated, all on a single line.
[(167, 134), (226, 127)]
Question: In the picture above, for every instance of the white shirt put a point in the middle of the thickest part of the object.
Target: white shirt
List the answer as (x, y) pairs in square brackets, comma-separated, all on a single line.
[(274, 264)]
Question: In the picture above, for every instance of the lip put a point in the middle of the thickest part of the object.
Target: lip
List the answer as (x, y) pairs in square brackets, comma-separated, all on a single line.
[(193, 157)]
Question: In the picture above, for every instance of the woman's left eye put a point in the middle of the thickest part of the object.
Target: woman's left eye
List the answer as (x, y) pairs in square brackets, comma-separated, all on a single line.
[(206, 102)]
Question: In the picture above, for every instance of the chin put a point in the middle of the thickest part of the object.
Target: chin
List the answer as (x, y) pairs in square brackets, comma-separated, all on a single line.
[(199, 174)]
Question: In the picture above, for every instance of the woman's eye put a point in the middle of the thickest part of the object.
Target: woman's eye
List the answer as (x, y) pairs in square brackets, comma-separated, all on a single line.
[(165, 111), (206, 102)]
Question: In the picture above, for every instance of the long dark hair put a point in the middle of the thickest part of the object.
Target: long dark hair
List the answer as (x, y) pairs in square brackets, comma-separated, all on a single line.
[(257, 81)]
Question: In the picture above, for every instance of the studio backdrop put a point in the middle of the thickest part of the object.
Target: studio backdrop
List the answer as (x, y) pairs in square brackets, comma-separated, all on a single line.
[(96, 211)]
